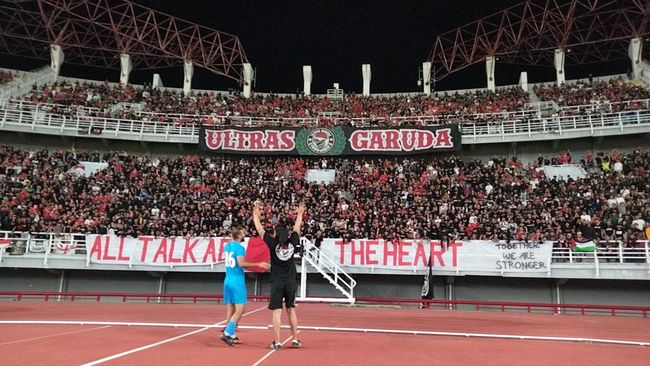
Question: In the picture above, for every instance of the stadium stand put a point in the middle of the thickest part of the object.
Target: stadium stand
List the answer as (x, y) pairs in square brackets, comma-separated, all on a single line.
[(580, 93), (6, 77), (165, 105), (498, 199), (479, 108)]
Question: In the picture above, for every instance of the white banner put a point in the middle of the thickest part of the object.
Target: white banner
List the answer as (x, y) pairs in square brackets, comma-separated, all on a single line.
[(155, 251), (87, 168), (469, 256), (574, 171), (37, 245), (326, 176)]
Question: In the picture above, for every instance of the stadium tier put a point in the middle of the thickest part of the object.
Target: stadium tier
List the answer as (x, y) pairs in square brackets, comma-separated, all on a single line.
[(138, 103), (582, 93), (601, 196), (103, 97), (187, 204), (6, 77)]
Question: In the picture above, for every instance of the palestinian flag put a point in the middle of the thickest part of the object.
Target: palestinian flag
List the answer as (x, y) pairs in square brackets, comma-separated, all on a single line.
[(587, 246)]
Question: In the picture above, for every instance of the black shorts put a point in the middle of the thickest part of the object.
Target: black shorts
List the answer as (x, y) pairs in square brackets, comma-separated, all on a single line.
[(283, 290)]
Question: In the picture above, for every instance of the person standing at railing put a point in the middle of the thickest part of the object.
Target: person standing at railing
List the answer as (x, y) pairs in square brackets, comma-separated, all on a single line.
[(283, 273)]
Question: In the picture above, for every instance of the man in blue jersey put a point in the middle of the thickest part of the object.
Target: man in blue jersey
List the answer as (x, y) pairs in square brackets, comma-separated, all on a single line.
[(234, 286)]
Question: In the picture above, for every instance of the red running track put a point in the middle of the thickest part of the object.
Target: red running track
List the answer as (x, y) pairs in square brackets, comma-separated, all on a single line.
[(38, 344)]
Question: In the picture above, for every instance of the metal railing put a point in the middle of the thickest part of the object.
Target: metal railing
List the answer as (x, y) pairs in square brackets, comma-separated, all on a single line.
[(47, 245), (32, 118), (25, 83), (606, 252), (251, 121), (72, 246), (477, 305), (327, 267)]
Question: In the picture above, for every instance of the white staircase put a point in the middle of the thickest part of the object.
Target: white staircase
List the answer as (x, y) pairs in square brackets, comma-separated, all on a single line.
[(328, 268)]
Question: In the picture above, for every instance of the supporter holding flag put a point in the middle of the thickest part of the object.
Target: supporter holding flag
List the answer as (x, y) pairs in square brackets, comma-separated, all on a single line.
[(583, 244)]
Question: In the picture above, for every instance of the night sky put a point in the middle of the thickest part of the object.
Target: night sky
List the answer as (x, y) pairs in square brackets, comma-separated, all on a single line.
[(335, 37)]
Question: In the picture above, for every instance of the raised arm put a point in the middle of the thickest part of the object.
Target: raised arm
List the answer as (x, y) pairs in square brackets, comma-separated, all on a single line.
[(256, 220), (299, 213)]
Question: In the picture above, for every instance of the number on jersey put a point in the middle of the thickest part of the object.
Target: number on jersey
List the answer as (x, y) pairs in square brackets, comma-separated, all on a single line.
[(230, 260)]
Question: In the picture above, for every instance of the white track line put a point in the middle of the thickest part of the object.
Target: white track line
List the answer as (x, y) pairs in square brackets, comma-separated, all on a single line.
[(127, 324), (53, 335), (476, 335), (125, 353), (338, 329), (271, 351)]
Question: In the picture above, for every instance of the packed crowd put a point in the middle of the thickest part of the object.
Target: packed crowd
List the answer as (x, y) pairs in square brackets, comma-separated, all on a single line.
[(150, 104), (6, 77), (479, 107), (370, 198), (572, 94)]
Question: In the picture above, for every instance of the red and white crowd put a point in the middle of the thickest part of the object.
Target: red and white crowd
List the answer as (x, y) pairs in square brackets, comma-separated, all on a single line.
[(390, 198)]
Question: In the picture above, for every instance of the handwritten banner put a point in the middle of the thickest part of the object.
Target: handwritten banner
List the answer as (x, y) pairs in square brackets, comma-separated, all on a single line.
[(164, 251), (473, 255), (468, 256)]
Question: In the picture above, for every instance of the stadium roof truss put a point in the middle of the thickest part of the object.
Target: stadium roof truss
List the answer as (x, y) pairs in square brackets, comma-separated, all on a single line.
[(528, 33), (96, 32)]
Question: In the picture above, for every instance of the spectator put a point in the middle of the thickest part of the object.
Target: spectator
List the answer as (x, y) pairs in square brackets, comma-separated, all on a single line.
[(6, 77), (385, 198)]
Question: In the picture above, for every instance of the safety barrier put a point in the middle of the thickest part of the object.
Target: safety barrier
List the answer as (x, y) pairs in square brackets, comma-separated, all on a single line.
[(72, 246), (28, 117), (500, 306)]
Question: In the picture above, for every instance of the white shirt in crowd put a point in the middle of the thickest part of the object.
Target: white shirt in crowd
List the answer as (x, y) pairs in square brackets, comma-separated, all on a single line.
[(585, 218), (611, 203), (155, 212), (227, 222), (638, 224), (618, 166), (488, 189)]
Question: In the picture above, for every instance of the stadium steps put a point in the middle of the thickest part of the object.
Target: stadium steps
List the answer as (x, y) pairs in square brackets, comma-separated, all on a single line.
[(329, 269)]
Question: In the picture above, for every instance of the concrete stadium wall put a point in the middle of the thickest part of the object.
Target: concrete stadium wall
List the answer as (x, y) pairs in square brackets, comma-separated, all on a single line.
[(610, 292), (504, 289), (29, 280), (607, 292)]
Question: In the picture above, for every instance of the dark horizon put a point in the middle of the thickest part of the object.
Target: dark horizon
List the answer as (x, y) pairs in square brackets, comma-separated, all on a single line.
[(335, 37)]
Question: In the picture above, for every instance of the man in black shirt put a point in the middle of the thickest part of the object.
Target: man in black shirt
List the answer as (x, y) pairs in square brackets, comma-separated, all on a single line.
[(283, 273)]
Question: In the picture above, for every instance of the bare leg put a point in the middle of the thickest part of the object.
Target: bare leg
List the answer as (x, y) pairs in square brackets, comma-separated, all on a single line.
[(293, 322), (277, 322), (230, 309), (238, 312)]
